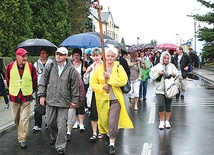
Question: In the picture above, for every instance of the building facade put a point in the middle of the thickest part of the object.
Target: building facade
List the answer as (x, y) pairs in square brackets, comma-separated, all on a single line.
[(108, 25)]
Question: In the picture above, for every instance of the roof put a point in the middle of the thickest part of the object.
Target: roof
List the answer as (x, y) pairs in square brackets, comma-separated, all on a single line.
[(104, 15)]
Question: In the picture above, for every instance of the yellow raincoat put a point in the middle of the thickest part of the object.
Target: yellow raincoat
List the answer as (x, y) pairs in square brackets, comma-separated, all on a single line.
[(118, 78)]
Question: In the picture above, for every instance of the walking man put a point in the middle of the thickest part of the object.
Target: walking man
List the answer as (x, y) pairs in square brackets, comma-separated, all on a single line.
[(183, 62), (21, 78), (58, 90)]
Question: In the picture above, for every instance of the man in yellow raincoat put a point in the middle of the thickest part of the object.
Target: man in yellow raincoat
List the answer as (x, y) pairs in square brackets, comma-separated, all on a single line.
[(112, 114)]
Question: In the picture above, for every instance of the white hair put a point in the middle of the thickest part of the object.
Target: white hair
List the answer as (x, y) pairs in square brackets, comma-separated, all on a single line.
[(114, 50)]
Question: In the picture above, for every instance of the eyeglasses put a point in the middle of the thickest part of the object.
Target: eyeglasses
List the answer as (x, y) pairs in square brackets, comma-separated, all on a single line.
[(60, 54)]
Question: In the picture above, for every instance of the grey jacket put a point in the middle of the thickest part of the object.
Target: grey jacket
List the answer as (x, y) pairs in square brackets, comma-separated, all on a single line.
[(61, 90)]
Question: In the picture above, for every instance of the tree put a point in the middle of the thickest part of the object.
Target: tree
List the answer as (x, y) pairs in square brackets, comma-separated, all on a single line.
[(153, 43), (207, 34), (78, 16), (15, 25), (123, 41)]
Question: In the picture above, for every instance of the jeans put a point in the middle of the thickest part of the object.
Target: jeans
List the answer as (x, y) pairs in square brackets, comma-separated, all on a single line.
[(143, 85)]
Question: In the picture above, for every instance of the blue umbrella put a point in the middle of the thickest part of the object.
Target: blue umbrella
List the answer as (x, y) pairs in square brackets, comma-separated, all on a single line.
[(82, 40)]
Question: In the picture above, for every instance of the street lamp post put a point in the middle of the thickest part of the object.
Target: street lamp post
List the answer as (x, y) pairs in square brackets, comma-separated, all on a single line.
[(194, 35), (137, 40), (180, 40), (194, 31)]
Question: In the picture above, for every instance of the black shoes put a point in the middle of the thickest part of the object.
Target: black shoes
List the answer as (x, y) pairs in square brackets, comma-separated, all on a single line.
[(23, 145), (177, 95), (68, 137), (60, 151), (182, 97), (52, 141), (112, 150)]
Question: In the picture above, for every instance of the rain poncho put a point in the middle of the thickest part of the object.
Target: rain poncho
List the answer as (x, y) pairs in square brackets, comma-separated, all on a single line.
[(118, 78), (159, 85)]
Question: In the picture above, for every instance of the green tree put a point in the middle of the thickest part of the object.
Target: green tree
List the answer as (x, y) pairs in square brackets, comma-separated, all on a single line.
[(78, 16), (153, 43), (207, 34), (15, 18), (123, 41)]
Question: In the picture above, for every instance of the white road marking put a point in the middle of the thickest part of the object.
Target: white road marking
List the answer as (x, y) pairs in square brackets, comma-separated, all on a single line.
[(152, 113), (147, 149)]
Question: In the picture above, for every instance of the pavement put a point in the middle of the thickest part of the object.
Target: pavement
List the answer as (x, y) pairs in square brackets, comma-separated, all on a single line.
[(6, 118)]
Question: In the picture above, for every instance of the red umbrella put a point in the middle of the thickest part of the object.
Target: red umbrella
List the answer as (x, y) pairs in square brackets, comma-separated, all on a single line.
[(169, 46)]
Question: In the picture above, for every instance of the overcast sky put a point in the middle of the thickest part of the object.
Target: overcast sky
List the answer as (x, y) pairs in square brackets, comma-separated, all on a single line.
[(154, 19)]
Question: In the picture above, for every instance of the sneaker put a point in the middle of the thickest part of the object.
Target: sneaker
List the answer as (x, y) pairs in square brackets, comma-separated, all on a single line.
[(182, 97), (112, 150), (60, 151), (82, 127), (6, 106), (76, 125), (36, 129), (23, 145), (167, 124), (161, 125)]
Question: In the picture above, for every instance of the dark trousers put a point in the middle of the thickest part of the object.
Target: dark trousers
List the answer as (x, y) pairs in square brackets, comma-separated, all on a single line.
[(3, 91), (37, 116)]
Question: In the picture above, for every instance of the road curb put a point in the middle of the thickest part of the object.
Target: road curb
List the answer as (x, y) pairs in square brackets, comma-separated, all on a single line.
[(203, 77), (8, 127)]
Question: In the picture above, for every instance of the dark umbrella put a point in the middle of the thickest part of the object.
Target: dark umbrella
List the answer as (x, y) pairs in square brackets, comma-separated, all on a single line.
[(105, 36), (33, 46), (115, 43)]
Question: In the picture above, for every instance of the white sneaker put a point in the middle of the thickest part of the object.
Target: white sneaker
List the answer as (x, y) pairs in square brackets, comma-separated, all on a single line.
[(167, 124), (161, 125), (76, 125), (36, 129), (82, 127)]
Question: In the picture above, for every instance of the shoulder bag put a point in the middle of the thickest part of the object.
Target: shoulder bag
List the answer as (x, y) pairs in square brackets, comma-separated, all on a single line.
[(170, 87)]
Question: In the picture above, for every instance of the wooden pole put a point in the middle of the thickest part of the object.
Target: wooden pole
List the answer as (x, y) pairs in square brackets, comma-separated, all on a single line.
[(99, 8)]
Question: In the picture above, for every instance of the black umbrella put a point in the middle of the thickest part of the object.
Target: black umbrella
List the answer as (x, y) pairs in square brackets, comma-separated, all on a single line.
[(105, 36), (115, 43), (33, 46)]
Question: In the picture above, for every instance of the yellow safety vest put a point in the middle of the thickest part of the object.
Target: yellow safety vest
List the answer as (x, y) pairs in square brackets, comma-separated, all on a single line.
[(16, 82)]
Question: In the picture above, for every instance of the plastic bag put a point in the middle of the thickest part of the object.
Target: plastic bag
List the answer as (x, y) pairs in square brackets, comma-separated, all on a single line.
[(170, 87)]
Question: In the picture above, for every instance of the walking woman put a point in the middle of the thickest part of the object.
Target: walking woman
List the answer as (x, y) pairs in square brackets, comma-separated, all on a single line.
[(2, 85), (91, 102), (163, 69), (111, 109)]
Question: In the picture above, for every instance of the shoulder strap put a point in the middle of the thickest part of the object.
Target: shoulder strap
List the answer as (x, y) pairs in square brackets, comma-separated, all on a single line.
[(49, 72)]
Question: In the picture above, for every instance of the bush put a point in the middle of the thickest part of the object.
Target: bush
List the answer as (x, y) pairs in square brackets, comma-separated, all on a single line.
[(31, 59)]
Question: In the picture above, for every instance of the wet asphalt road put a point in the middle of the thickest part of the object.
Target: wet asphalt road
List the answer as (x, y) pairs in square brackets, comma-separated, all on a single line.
[(191, 133)]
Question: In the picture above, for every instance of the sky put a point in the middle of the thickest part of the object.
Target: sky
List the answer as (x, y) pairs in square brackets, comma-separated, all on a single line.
[(160, 20)]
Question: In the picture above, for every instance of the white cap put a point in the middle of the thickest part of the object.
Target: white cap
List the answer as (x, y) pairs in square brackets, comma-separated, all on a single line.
[(62, 50)]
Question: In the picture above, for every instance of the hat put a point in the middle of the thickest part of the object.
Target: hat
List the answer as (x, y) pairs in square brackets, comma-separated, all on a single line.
[(96, 51), (62, 50), (77, 50), (21, 52), (88, 51)]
